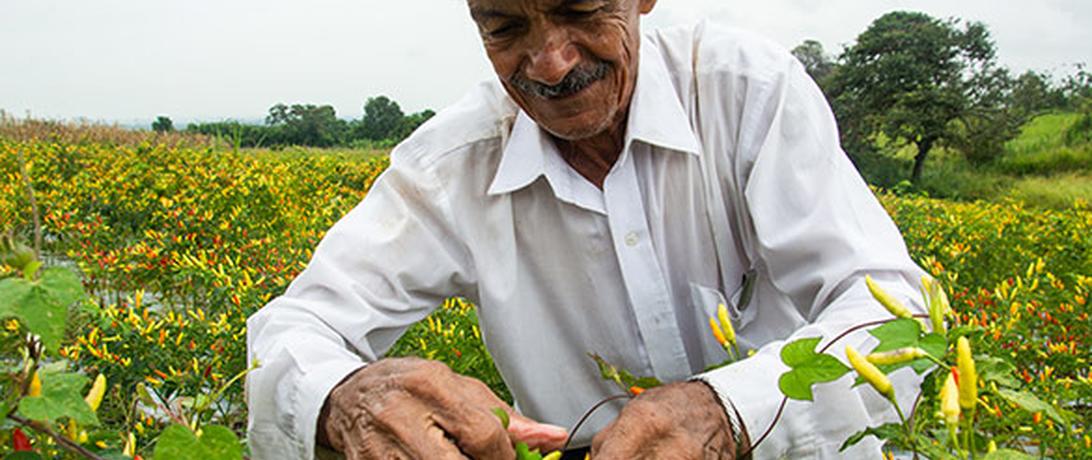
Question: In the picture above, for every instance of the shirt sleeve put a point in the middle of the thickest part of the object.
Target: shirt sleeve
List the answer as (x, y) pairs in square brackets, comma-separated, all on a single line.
[(816, 230), (382, 267)]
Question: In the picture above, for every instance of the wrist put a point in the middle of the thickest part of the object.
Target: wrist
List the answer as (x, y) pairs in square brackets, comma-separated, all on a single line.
[(734, 420)]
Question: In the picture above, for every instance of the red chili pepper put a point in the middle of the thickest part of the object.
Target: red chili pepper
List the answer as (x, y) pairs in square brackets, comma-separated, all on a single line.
[(20, 441)]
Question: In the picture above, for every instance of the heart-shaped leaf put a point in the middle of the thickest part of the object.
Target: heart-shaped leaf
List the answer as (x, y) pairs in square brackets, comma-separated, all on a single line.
[(62, 396), (807, 368)]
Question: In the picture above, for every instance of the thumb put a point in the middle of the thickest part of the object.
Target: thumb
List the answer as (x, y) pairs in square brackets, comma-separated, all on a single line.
[(540, 436)]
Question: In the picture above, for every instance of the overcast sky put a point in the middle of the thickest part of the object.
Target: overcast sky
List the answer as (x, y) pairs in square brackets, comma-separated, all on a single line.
[(129, 60)]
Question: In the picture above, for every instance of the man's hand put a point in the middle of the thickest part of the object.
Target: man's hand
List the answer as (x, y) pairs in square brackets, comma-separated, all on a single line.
[(680, 421), (412, 408)]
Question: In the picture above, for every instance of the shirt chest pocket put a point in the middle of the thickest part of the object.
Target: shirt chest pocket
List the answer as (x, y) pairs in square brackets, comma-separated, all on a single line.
[(740, 304)]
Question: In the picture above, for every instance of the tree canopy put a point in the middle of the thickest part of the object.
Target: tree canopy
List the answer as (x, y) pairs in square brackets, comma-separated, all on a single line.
[(910, 76)]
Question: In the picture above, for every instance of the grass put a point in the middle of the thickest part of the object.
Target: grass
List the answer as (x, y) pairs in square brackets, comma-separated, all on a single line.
[(1041, 167)]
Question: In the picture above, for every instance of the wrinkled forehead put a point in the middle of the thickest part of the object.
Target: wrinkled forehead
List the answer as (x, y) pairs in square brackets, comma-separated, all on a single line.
[(490, 9)]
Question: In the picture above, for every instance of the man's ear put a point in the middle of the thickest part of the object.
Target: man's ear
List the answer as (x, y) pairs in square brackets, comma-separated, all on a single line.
[(646, 6)]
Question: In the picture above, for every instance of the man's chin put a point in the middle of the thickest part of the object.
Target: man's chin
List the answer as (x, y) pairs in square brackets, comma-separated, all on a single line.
[(576, 127), (574, 134)]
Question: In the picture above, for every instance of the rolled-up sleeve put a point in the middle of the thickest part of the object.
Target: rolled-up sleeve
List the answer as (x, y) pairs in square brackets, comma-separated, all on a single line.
[(816, 230), (382, 267)]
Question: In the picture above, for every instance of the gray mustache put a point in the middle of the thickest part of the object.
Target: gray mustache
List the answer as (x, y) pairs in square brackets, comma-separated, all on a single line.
[(577, 79)]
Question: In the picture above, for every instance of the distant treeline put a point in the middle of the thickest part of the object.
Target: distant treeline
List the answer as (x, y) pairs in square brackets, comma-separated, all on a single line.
[(914, 80), (382, 126)]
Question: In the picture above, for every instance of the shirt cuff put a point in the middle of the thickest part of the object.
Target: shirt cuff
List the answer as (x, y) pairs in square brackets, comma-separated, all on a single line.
[(749, 388), (311, 392)]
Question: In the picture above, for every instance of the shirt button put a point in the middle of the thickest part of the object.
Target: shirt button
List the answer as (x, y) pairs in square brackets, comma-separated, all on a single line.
[(632, 239)]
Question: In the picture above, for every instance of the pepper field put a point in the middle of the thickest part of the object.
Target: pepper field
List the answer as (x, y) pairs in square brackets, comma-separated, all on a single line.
[(178, 242)]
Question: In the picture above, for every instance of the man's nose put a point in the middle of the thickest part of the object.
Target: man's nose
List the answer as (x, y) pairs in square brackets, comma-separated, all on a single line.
[(553, 58)]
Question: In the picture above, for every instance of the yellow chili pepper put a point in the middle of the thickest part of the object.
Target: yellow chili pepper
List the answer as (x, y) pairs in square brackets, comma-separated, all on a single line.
[(968, 378), (887, 300), (35, 388), (130, 446), (949, 400), (94, 396), (726, 324), (870, 373), (898, 356), (555, 455), (937, 301)]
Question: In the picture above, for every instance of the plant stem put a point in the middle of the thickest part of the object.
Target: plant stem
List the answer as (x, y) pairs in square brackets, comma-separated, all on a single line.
[(909, 429), (62, 440), (33, 204)]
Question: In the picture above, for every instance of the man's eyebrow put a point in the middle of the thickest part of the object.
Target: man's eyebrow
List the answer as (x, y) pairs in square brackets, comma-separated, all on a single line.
[(482, 14)]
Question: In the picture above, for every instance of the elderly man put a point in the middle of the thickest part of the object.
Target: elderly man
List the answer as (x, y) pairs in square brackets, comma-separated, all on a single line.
[(604, 198)]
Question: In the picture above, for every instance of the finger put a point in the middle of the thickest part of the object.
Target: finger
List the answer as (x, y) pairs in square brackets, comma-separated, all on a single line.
[(465, 413), (410, 424), (540, 436), (373, 445), (639, 428)]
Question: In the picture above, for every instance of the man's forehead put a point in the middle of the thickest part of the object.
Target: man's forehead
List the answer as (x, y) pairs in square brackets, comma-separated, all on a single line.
[(484, 9)]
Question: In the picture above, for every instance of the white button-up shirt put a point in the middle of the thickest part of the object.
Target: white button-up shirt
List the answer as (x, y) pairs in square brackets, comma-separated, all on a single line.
[(479, 203)]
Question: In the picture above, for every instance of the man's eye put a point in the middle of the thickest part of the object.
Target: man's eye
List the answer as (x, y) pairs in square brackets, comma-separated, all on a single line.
[(502, 31)]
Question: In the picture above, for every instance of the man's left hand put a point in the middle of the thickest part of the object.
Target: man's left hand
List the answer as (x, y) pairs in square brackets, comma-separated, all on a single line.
[(678, 421)]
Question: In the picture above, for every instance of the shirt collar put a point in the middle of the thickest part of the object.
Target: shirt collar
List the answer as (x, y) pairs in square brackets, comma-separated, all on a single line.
[(656, 116)]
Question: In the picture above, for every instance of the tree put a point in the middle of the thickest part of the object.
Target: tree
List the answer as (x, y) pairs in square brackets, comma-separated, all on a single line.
[(162, 124), (410, 123), (305, 124), (1032, 93), (909, 76), (382, 119), (815, 59)]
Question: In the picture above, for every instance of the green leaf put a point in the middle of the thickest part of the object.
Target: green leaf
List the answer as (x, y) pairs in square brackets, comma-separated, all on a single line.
[(63, 284), (62, 396), (647, 382), (11, 290), (996, 370), (221, 443), (622, 377), (1032, 403), (523, 452), (216, 443), (897, 334), (503, 416), (807, 368), (42, 305), (882, 432), (1007, 454), (903, 333)]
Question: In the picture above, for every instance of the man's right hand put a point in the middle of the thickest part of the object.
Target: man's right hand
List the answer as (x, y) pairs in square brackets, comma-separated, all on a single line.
[(413, 408)]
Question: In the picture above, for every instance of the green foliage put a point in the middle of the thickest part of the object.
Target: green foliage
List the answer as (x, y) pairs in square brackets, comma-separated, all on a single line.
[(909, 76), (42, 303), (305, 124), (61, 398), (162, 124), (816, 61), (178, 442), (807, 368), (905, 333), (626, 381), (383, 126), (883, 432), (382, 119)]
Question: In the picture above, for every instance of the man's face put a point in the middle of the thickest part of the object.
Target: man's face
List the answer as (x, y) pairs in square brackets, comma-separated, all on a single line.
[(570, 64)]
